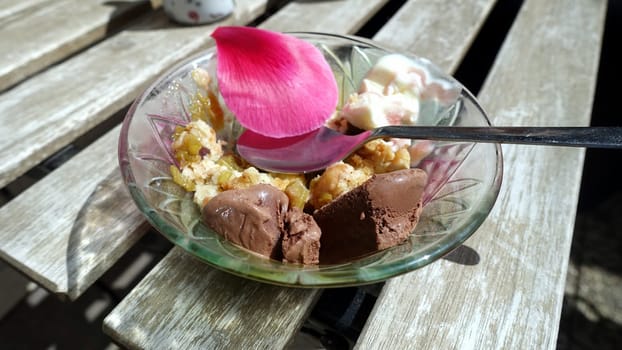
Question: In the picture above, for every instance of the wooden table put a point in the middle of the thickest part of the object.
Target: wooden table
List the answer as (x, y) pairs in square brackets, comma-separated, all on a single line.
[(63, 74)]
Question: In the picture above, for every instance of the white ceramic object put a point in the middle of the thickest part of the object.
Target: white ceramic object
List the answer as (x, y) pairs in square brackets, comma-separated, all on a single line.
[(198, 11)]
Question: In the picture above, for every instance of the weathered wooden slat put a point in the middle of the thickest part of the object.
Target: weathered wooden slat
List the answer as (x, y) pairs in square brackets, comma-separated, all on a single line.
[(35, 36), (60, 232), (9, 8), (544, 74), (35, 124), (441, 31), (70, 227), (138, 322), (193, 306), (346, 17)]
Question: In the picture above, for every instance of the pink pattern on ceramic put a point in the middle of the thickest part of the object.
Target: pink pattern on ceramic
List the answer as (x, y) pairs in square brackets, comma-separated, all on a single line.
[(275, 84), (193, 16)]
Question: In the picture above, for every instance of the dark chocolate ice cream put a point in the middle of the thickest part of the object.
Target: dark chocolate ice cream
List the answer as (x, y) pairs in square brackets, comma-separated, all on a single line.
[(252, 218), (379, 214), (260, 219), (301, 238)]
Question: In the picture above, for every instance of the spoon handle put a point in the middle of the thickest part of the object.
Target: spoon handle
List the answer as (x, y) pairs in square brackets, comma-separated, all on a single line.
[(591, 137)]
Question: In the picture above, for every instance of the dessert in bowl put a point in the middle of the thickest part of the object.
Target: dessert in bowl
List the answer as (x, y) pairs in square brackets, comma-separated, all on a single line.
[(389, 208)]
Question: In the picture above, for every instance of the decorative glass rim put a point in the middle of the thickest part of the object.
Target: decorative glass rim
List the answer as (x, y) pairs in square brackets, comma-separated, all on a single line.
[(360, 272)]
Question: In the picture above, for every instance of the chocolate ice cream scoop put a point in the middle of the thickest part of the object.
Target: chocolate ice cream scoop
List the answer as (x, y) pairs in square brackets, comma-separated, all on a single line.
[(259, 218), (380, 213), (301, 238), (252, 218)]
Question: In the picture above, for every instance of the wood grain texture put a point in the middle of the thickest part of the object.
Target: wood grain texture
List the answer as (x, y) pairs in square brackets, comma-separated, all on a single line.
[(69, 228), (544, 74), (344, 17), (90, 88), (10, 8), (441, 31), (38, 35), (184, 304)]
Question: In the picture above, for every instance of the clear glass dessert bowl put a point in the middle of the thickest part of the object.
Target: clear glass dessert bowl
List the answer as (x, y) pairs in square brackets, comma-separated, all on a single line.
[(463, 178)]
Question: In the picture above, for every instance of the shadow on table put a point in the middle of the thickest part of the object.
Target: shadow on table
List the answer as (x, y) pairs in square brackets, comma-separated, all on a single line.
[(124, 12), (107, 225), (463, 255), (582, 332)]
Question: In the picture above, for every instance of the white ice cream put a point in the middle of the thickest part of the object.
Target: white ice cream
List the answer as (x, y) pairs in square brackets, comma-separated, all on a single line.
[(391, 93), (388, 95)]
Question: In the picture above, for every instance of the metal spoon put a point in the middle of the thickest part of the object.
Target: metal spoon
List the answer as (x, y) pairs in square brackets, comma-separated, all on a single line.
[(323, 147)]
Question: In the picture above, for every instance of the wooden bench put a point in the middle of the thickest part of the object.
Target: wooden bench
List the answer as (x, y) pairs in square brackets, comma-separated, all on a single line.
[(69, 228)]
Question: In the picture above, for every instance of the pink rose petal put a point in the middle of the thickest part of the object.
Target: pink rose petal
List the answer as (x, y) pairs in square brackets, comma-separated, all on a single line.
[(275, 84)]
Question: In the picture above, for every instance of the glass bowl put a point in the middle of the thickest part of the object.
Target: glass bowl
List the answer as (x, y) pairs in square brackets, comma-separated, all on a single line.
[(464, 178)]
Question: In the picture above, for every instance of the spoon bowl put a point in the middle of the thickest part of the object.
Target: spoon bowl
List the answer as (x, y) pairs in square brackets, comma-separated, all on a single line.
[(299, 154), (320, 148)]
